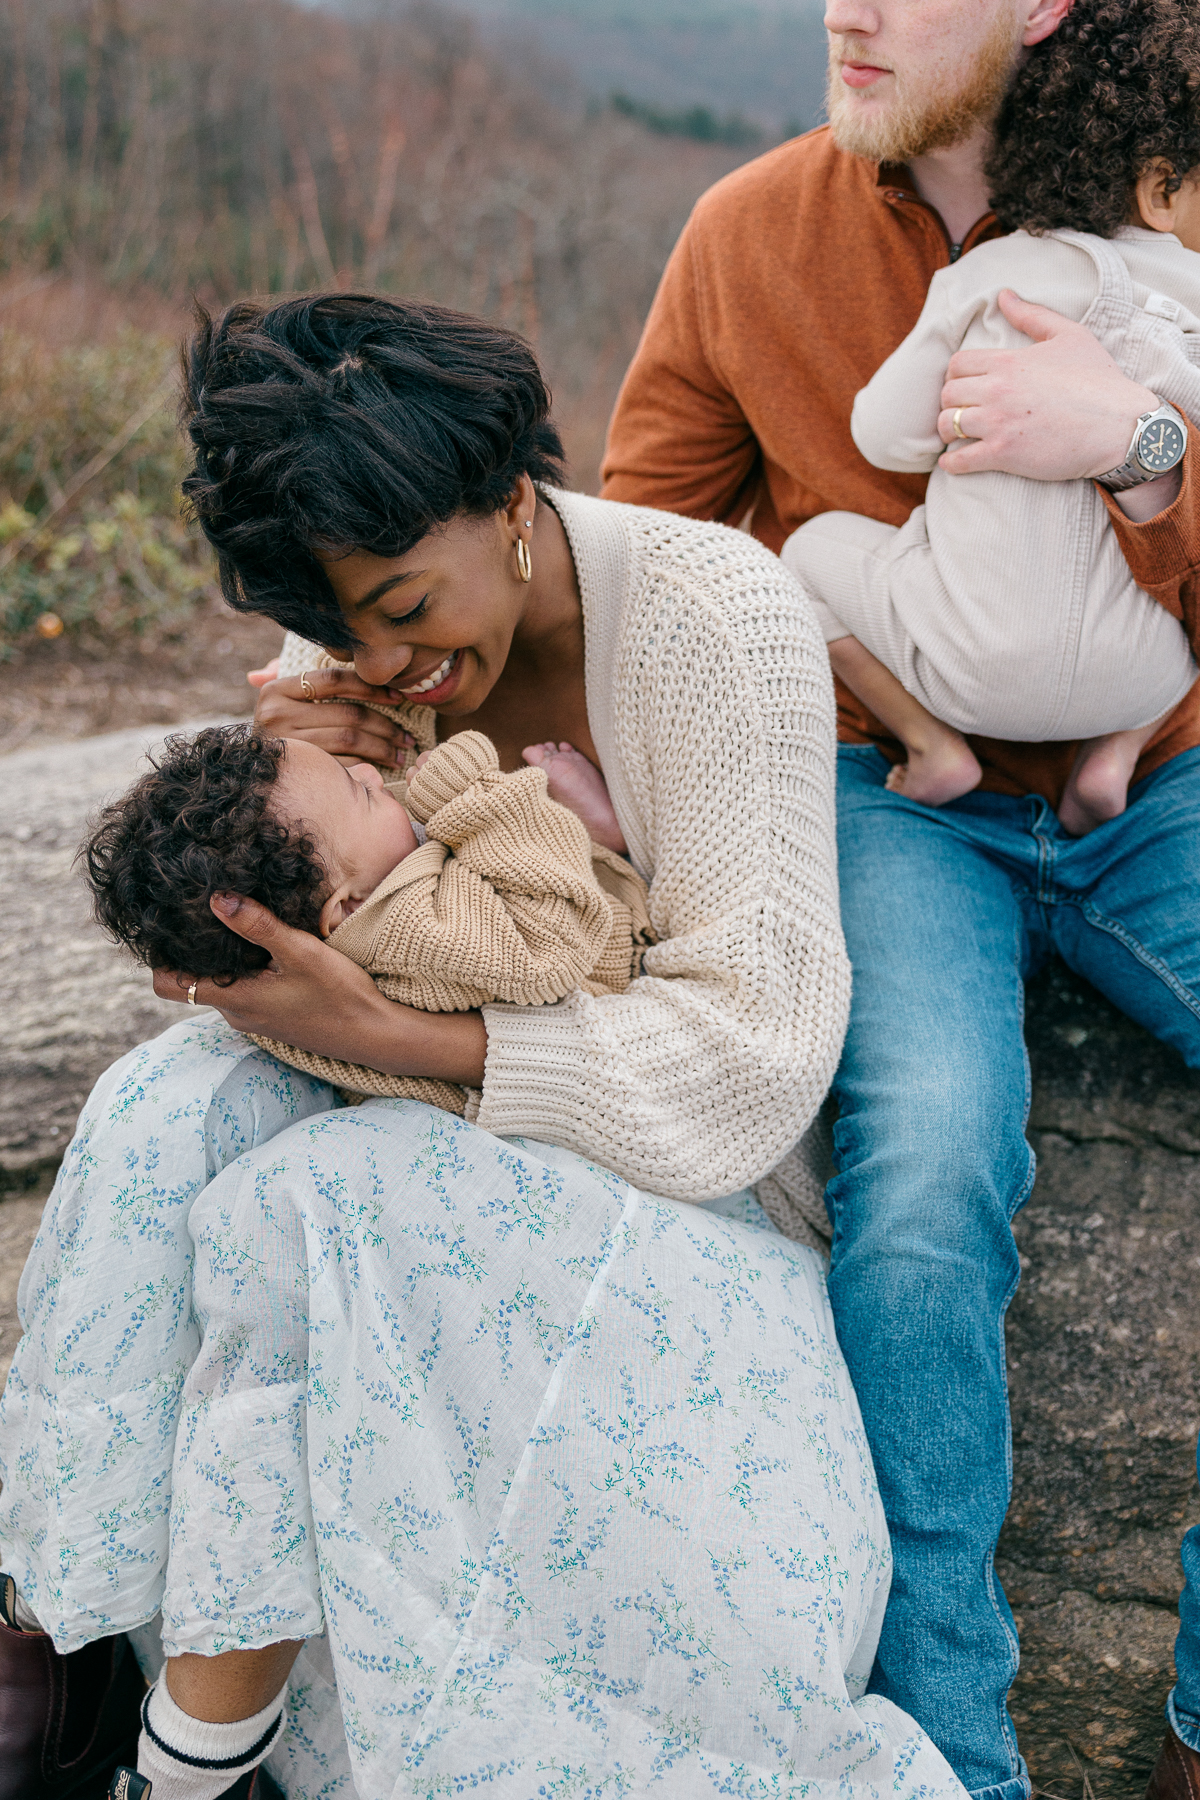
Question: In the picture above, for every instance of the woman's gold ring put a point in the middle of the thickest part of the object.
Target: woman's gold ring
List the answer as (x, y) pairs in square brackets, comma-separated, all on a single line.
[(192, 993), (956, 421), (307, 688)]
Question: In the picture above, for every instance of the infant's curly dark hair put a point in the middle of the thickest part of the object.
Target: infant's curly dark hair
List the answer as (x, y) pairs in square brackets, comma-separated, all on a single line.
[(197, 824), (1091, 109)]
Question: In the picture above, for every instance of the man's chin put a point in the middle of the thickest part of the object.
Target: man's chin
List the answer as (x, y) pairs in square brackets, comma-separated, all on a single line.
[(860, 132), (878, 129)]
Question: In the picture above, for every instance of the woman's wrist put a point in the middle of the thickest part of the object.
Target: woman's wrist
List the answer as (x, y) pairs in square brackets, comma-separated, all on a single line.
[(399, 1040)]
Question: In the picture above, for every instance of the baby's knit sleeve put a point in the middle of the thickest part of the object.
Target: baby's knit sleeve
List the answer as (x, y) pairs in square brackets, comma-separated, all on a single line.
[(894, 421)]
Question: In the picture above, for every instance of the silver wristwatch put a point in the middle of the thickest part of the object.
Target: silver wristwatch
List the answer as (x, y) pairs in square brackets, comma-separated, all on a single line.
[(1159, 441)]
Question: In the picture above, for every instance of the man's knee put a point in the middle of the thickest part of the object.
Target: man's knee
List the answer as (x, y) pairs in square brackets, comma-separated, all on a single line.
[(933, 1175)]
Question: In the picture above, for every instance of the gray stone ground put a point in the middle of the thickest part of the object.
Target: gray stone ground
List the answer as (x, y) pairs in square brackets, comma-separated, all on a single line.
[(72, 1001), (1104, 1358), (1104, 1335)]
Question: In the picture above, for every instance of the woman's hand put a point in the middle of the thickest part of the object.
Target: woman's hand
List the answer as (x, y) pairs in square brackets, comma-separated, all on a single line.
[(1058, 409), (345, 729), (317, 999)]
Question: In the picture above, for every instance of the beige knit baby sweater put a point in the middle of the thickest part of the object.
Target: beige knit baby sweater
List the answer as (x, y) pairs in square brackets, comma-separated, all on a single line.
[(710, 703), (505, 900)]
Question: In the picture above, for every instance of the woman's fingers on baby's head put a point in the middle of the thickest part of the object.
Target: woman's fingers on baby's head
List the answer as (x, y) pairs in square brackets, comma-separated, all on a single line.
[(260, 677)]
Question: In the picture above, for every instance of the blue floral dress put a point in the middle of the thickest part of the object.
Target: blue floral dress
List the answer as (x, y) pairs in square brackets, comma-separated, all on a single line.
[(565, 1485)]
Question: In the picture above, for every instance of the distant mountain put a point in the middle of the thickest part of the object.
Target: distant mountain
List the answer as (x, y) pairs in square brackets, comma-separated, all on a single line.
[(760, 60), (756, 62)]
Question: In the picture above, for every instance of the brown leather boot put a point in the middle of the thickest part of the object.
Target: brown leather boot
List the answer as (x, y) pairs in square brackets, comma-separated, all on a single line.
[(1176, 1773), (65, 1721)]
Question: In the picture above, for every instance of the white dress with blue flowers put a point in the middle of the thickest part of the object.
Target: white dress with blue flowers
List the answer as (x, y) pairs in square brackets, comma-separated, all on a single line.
[(565, 1485)]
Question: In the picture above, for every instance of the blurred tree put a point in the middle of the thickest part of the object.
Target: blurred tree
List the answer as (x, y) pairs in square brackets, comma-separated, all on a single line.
[(220, 147)]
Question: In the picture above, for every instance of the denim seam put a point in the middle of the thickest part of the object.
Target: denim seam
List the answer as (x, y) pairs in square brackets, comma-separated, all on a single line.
[(1007, 1730), (1047, 857), (1167, 976), (1031, 1172)]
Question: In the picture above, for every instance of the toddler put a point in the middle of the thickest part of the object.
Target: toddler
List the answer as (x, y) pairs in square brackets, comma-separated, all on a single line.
[(475, 886), (1004, 606)]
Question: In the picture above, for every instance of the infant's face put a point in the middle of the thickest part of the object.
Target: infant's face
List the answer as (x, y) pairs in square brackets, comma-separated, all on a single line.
[(360, 829)]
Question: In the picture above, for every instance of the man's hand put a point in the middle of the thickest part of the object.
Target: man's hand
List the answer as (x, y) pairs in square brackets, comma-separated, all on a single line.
[(1059, 410), (317, 999), (352, 732)]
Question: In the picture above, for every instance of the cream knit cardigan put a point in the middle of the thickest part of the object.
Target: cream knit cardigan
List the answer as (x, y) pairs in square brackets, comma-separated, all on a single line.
[(710, 703)]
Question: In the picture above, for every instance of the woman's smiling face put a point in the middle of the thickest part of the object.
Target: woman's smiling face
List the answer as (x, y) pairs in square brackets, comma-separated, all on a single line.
[(438, 622)]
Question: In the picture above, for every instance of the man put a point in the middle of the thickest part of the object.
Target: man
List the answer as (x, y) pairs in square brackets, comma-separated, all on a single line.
[(792, 282)]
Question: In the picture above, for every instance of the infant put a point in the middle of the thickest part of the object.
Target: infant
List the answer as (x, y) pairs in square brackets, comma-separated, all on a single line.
[(461, 887), (1005, 606)]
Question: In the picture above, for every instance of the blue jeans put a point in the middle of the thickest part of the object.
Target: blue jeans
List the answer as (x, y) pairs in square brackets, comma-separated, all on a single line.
[(947, 912)]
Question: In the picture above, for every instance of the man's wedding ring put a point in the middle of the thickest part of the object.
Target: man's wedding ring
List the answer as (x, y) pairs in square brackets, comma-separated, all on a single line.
[(956, 421), (192, 993), (307, 688)]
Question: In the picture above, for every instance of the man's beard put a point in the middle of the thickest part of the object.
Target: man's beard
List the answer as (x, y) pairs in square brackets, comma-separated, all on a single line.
[(922, 118)]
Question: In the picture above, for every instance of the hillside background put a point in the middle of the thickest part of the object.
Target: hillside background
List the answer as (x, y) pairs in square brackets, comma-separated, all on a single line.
[(530, 160), (759, 60)]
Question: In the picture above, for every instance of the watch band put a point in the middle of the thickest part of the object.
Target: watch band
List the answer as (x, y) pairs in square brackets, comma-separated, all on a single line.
[(1132, 473)]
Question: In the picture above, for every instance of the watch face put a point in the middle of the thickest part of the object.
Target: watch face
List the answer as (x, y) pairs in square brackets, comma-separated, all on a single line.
[(1161, 445)]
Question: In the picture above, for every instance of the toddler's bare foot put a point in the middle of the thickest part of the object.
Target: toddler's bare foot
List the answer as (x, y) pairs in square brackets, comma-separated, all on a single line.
[(942, 767), (1098, 788), (578, 785)]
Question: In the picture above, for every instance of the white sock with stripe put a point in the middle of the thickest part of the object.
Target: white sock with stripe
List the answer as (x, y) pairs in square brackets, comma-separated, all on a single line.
[(191, 1759)]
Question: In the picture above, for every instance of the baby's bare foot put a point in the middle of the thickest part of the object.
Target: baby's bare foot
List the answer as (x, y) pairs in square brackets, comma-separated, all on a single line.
[(943, 769), (578, 785), (1098, 788)]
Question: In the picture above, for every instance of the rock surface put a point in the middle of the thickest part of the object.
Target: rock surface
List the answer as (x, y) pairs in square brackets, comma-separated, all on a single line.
[(72, 1001), (1104, 1359), (1103, 1336)]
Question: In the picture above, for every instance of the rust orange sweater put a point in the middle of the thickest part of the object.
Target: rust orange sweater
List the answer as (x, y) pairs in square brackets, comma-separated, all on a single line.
[(794, 279)]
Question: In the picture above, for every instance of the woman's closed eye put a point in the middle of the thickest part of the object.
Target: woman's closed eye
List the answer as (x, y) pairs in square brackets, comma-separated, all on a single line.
[(409, 618)]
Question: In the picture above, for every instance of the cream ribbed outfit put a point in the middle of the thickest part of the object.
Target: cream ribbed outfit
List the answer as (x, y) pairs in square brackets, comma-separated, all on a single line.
[(505, 900), (1005, 605), (710, 703)]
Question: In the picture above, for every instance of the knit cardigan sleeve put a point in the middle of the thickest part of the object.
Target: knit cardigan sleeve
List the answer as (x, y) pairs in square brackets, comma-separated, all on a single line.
[(719, 716)]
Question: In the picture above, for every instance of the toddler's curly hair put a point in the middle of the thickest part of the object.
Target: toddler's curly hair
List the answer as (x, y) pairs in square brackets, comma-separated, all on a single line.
[(198, 823), (1115, 89)]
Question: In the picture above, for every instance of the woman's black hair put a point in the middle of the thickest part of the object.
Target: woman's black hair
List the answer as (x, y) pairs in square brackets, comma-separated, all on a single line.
[(339, 422), (199, 823), (1094, 106)]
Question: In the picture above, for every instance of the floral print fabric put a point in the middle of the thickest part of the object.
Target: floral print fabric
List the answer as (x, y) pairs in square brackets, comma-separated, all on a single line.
[(566, 1484)]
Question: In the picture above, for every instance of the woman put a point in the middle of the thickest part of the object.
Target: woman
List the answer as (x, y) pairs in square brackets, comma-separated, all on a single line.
[(570, 1476)]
